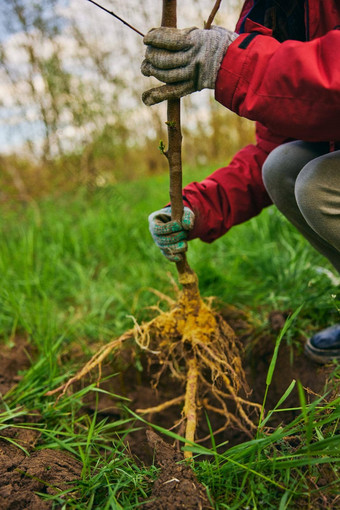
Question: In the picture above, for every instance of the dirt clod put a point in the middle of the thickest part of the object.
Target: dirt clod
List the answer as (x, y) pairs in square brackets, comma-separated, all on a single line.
[(277, 320), (26, 471), (176, 486), (44, 471)]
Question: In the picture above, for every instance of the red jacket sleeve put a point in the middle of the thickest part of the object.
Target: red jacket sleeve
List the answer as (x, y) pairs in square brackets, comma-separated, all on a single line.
[(293, 88), (232, 194), (290, 88)]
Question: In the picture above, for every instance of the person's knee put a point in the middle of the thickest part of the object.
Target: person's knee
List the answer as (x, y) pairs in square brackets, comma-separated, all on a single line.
[(284, 164), (306, 191), (313, 191), (276, 174)]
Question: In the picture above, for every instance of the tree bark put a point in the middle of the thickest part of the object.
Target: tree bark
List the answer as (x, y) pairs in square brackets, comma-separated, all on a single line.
[(187, 276)]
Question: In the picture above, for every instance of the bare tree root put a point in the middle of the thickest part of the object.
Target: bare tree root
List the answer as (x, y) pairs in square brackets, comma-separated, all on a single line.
[(94, 362), (194, 345), (190, 405), (162, 407)]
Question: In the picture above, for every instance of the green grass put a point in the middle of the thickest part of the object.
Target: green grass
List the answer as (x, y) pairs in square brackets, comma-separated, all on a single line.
[(74, 268)]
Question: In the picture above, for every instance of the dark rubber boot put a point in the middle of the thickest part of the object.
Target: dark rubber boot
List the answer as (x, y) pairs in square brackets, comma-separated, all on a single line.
[(324, 346)]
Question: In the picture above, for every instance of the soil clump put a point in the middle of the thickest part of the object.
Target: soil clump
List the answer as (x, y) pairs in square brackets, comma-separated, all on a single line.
[(25, 470), (176, 486)]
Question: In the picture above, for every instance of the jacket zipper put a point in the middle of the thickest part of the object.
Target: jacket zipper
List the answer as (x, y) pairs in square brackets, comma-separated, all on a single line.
[(307, 19)]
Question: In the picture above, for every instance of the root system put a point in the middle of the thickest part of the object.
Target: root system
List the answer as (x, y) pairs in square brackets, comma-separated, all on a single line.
[(200, 351)]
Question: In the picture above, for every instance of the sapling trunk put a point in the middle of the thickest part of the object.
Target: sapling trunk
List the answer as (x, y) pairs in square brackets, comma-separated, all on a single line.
[(187, 276)]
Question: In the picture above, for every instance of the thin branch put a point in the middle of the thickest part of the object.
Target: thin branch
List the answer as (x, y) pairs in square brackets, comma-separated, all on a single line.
[(207, 25), (117, 17)]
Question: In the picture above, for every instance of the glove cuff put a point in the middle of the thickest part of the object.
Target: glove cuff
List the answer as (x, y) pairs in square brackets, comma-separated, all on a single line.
[(220, 41)]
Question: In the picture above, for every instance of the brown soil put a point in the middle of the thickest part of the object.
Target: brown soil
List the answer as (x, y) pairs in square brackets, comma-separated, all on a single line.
[(22, 476), (24, 469), (176, 486), (48, 471), (12, 361)]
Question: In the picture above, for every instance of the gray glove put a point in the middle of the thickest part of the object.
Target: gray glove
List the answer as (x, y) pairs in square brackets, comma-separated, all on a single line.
[(186, 60), (171, 236)]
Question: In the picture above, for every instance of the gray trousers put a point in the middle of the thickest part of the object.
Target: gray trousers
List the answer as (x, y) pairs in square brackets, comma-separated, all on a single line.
[(303, 181)]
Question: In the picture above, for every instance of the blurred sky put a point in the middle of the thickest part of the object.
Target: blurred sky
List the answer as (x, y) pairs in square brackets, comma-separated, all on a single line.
[(16, 122)]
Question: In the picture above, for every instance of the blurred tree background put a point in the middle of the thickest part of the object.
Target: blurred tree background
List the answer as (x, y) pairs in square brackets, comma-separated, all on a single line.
[(70, 97)]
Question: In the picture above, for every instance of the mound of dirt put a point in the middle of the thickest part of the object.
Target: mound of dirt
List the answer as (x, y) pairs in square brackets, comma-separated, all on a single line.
[(176, 487), (24, 470), (22, 476)]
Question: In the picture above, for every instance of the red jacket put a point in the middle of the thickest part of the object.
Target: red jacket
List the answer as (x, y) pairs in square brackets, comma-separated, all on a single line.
[(290, 88)]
